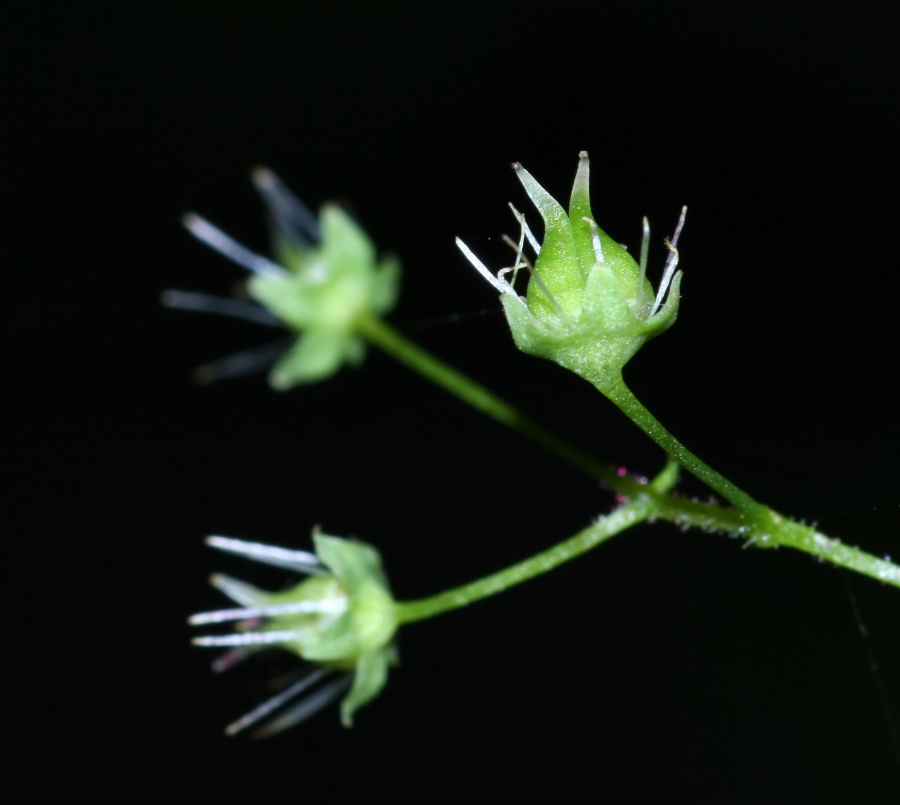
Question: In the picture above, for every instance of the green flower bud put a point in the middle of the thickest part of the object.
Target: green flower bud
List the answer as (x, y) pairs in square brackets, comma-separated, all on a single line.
[(342, 619), (589, 306), (325, 276)]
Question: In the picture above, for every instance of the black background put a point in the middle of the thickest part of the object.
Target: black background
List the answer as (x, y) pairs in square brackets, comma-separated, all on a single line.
[(665, 666)]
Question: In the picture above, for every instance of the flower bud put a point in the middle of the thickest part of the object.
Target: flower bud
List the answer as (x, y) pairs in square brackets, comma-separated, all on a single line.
[(589, 306)]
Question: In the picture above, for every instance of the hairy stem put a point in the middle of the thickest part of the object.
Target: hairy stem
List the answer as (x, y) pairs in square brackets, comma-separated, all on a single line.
[(616, 390), (778, 531), (760, 525), (592, 536)]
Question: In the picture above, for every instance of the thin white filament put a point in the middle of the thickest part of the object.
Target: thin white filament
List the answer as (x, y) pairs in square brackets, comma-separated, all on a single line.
[(671, 261), (481, 268), (218, 305), (251, 638), (299, 561), (528, 233), (296, 607), (290, 214), (518, 249), (275, 702), (245, 362), (671, 265), (215, 238), (679, 226), (305, 709)]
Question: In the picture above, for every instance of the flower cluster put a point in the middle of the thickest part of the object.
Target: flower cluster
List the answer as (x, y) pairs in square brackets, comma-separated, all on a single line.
[(342, 619)]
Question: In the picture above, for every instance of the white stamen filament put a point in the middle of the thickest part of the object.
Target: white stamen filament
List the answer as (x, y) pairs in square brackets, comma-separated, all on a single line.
[(299, 561), (306, 708), (291, 214), (671, 261), (671, 265), (679, 226), (214, 237), (521, 262), (251, 638), (245, 362), (500, 285), (219, 305), (337, 605), (275, 702), (519, 253), (528, 233)]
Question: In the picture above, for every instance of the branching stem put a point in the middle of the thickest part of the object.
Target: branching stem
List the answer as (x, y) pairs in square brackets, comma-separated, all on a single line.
[(760, 525)]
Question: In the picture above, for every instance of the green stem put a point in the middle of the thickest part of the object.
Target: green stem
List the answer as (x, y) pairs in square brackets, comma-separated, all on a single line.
[(679, 510), (668, 507), (780, 532), (762, 526), (386, 338), (805, 538), (590, 537), (616, 390)]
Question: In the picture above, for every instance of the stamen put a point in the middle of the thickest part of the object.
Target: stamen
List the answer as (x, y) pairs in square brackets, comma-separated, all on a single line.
[(275, 702), (251, 638), (240, 364), (671, 261), (519, 253), (671, 265), (337, 605), (214, 237), (528, 233), (305, 709), (219, 305), (645, 248), (520, 258), (299, 561), (291, 215), (500, 285), (679, 227)]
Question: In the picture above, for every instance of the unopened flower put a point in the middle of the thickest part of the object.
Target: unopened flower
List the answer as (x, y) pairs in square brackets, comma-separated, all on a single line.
[(324, 276), (589, 306), (341, 619)]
